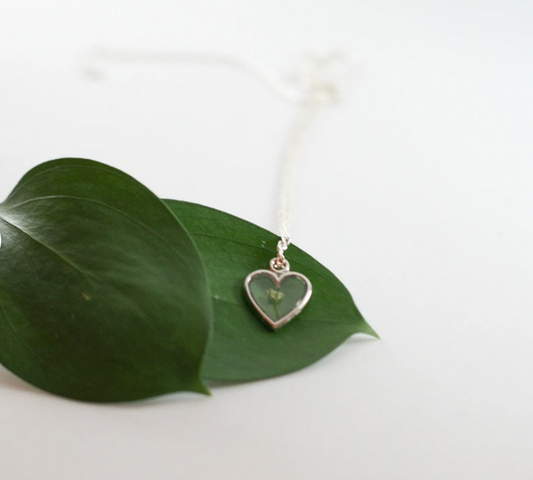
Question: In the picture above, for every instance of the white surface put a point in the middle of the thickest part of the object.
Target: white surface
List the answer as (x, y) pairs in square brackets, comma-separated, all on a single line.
[(423, 173)]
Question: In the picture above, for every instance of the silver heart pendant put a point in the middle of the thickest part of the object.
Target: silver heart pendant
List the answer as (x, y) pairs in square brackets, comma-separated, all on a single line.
[(278, 295)]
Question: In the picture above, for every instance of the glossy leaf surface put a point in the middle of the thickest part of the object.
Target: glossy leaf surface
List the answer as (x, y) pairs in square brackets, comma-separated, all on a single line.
[(244, 348), (103, 295)]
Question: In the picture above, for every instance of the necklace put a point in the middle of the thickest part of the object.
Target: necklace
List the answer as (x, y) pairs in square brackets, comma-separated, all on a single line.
[(277, 294), (109, 293)]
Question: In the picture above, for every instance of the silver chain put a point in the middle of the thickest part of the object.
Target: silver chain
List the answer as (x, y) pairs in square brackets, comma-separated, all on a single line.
[(315, 84), (319, 85)]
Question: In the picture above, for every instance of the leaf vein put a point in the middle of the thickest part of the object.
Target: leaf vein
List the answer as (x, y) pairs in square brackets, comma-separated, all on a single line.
[(295, 262), (119, 212), (84, 273)]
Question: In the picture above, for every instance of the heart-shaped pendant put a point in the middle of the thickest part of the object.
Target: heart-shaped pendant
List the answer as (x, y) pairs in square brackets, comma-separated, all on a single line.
[(278, 296)]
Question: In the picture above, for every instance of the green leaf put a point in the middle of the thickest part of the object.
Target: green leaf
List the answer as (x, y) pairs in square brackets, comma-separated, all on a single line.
[(103, 295), (243, 348)]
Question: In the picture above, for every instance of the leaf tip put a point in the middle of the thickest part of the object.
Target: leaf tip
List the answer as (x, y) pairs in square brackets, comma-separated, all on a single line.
[(200, 387), (370, 331)]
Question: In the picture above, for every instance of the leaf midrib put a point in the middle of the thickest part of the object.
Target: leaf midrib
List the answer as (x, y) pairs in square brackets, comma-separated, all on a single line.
[(86, 274), (116, 210)]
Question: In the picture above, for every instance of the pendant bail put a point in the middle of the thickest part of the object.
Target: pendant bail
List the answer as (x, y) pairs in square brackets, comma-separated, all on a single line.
[(278, 265)]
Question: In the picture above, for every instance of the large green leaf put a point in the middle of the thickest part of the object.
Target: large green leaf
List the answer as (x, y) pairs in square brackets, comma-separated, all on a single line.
[(103, 296), (243, 347)]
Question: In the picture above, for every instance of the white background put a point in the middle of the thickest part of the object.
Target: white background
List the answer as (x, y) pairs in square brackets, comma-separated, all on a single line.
[(416, 190)]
